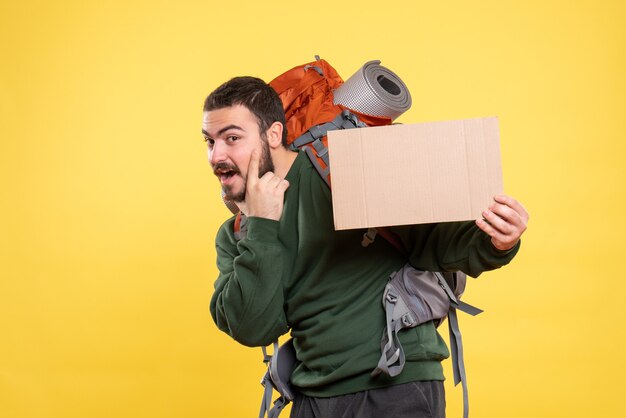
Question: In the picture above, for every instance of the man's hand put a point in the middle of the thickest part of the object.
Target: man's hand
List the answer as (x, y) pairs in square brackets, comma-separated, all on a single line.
[(265, 195), (504, 221)]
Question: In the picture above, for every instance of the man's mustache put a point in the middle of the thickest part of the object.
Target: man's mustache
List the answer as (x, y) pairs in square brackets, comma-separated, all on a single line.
[(223, 166)]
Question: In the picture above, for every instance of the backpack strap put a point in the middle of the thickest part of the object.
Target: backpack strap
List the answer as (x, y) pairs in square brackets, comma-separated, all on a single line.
[(456, 342), (344, 120), (266, 382), (266, 401), (280, 365), (240, 227), (397, 317), (323, 172), (458, 364), (317, 68), (456, 303)]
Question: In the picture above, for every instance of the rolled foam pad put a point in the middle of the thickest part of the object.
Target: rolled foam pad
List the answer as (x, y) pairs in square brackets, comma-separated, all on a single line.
[(374, 90)]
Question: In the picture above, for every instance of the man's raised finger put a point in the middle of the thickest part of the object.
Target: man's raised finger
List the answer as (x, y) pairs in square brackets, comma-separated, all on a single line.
[(253, 167)]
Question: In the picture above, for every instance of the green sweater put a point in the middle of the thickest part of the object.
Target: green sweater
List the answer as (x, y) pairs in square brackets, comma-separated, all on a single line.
[(300, 274)]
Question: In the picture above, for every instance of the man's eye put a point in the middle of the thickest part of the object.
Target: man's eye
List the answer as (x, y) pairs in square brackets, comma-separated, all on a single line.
[(209, 141), (232, 138)]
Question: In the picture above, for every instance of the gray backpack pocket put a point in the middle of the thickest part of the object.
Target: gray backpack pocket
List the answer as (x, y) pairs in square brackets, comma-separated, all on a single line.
[(413, 297)]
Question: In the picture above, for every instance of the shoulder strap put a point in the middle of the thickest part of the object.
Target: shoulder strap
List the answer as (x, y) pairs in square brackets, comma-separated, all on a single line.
[(240, 227), (311, 141)]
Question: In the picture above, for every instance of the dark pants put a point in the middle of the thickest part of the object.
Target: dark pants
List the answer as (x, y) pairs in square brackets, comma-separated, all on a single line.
[(414, 400)]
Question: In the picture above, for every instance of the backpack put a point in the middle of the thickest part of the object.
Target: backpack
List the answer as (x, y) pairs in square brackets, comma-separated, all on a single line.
[(316, 100), (308, 96)]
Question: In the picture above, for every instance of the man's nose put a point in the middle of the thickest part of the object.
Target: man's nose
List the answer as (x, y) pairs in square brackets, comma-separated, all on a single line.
[(216, 153)]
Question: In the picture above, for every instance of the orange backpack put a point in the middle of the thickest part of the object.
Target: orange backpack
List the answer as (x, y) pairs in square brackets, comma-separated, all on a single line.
[(307, 95)]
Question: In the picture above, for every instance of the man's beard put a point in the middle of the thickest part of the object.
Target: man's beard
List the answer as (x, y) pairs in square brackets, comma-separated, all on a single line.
[(265, 165)]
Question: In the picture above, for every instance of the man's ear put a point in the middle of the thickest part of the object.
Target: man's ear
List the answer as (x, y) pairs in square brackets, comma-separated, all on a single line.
[(275, 135)]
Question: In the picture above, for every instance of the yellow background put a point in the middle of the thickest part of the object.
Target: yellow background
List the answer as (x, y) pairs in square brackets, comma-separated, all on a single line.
[(109, 209)]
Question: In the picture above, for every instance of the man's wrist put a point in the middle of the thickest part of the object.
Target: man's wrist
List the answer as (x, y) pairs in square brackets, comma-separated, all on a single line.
[(262, 229)]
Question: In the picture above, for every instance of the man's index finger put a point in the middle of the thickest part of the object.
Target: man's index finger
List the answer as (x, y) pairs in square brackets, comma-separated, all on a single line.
[(253, 167)]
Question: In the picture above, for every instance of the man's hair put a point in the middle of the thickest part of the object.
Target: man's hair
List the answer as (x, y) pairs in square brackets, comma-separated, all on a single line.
[(256, 95)]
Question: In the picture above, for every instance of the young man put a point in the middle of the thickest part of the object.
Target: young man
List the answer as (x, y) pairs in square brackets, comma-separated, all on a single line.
[(293, 271)]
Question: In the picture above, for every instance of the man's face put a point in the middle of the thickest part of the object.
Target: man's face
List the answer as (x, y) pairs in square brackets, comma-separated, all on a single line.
[(232, 133)]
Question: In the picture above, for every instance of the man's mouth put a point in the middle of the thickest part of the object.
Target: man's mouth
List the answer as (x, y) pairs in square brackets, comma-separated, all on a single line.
[(225, 173)]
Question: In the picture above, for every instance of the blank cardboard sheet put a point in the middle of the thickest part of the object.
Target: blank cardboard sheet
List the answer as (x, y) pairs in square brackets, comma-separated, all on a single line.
[(412, 174)]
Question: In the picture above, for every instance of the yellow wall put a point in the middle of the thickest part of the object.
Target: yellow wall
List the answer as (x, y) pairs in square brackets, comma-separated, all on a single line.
[(109, 210)]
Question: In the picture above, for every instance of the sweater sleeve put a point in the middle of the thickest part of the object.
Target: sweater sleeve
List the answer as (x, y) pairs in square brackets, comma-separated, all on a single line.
[(248, 300), (453, 246)]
